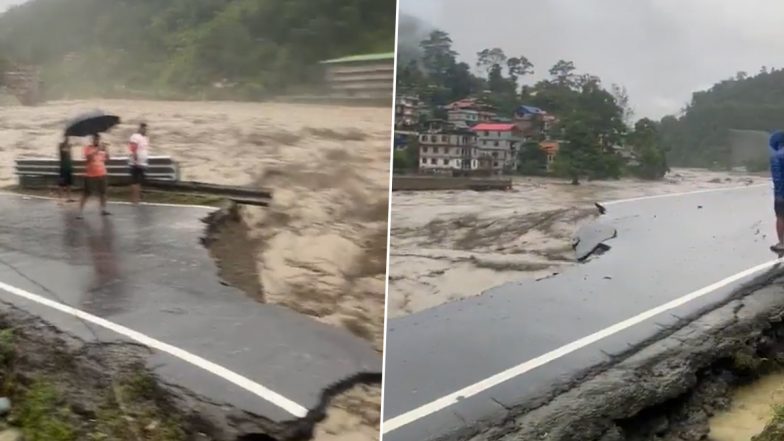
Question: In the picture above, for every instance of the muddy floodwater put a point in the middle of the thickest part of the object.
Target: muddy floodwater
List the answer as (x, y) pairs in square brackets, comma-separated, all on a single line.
[(319, 249), (449, 245), (751, 409)]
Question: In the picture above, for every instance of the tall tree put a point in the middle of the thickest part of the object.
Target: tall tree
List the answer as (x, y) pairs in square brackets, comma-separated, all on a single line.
[(563, 73), (518, 67), (438, 55), (490, 59), (646, 141), (621, 96)]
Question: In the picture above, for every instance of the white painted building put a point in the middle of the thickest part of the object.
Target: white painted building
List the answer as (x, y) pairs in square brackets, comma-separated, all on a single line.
[(448, 150), (498, 145)]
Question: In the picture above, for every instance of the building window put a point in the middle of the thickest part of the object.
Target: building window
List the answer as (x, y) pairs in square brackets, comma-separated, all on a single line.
[(487, 133), (434, 138), (443, 138), (495, 154), (445, 161), (496, 143), (423, 138), (495, 164), (424, 161), (433, 161)]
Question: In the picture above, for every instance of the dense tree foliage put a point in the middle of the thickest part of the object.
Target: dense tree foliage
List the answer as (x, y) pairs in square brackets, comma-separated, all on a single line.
[(256, 47), (592, 119)]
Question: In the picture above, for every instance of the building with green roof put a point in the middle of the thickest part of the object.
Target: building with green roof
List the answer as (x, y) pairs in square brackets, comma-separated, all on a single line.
[(369, 76)]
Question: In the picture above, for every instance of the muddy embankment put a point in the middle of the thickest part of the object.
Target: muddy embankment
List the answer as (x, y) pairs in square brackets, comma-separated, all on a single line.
[(64, 389), (351, 410), (670, 387)]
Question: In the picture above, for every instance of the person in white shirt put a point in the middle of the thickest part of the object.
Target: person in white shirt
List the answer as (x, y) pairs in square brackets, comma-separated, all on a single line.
[(138, 161)]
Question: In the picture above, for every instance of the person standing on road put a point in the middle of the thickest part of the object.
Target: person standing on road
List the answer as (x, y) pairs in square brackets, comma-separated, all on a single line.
[(138, 161), (777, 174), (95, 179), (65, 180)]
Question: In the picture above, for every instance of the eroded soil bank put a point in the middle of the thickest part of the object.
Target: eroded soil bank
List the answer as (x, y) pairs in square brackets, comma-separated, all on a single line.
[(351, 415), (670, 387)]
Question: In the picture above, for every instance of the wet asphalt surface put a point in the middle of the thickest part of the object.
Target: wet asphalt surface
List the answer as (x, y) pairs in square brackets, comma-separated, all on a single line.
[(144, 268), (665, 248)]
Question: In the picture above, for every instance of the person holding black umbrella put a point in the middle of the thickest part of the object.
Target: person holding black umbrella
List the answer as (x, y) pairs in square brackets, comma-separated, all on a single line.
[(95, 179)]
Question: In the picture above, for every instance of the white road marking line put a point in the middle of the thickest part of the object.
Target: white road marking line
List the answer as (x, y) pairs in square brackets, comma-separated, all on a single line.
[(687, 193), (249, 385), (501, 377)]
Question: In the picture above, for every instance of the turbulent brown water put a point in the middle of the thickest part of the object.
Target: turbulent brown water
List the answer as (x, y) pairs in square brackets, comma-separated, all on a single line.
[(750, 411), (450, 245)]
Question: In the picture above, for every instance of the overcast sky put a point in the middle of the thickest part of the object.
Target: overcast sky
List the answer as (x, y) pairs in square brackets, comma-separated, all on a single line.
[(5, 4), (661, 50)]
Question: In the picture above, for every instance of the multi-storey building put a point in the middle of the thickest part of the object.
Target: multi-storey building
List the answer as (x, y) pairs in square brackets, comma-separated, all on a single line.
[(498, 145), (469, 112), (407, 111), (447, 149)]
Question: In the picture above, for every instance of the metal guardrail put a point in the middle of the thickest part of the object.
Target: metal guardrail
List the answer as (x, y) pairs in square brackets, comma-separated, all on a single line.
[(160, 168), (163, 174)]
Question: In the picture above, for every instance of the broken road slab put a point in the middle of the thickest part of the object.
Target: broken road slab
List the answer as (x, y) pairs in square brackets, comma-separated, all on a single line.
[(142, 277)]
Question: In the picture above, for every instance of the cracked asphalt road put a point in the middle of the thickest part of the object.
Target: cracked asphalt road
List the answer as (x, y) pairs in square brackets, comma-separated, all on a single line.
[(443, 364), (141, 276)]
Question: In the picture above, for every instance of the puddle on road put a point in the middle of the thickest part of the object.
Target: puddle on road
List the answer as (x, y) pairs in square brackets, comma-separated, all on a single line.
[(751, 410)]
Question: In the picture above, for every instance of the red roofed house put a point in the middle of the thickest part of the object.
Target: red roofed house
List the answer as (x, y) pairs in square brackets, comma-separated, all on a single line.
[(498, 144)]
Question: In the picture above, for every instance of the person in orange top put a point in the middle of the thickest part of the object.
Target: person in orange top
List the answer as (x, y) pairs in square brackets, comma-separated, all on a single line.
[(95, 178)]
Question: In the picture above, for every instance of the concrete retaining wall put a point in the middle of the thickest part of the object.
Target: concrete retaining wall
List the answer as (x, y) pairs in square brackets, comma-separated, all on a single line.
[(425, 183)]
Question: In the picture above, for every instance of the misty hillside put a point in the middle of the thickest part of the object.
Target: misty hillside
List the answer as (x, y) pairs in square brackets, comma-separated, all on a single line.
[(181, 46), (700, 137)]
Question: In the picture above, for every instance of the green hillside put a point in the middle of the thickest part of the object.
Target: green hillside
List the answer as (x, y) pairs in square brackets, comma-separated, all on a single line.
[(182, 48), (700, 135)]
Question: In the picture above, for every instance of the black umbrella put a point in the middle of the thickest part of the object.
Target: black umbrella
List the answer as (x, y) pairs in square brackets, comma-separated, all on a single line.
[(91, 123)]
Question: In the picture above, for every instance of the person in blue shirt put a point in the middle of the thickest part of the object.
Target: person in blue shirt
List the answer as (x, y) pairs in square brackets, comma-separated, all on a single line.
[(777, 174)]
